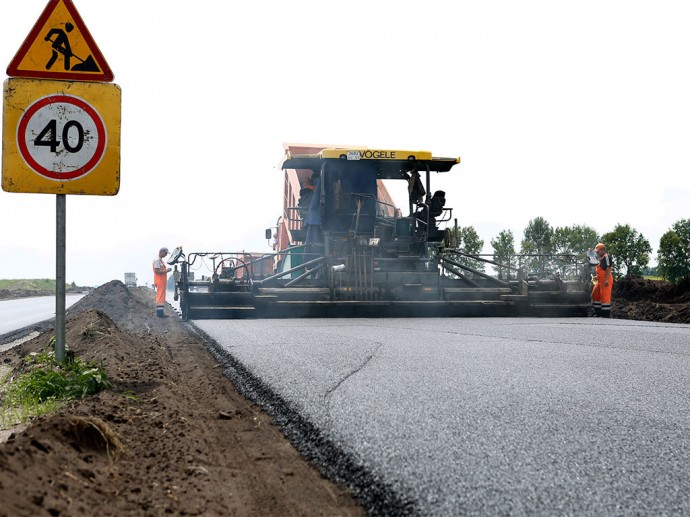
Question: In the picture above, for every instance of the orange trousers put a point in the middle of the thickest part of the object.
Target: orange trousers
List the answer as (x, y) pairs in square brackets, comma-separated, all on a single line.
[(161, 282), (601, 294)]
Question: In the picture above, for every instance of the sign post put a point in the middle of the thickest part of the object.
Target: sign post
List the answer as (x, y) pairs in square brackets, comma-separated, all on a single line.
[(60, 270), (61, 125)]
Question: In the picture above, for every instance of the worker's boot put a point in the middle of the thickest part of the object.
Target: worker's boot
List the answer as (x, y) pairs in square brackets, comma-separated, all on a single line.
[(160, 313)]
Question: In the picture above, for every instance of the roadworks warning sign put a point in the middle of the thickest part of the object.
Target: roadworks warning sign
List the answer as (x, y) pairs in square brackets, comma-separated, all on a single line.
[(60, 47)]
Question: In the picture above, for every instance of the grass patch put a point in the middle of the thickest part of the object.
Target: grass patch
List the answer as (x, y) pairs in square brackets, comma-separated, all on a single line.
[(35, 284), (41, 384), (31, 284)]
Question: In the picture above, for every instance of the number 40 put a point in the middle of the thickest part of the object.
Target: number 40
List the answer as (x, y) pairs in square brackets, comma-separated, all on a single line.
[(48, 136)]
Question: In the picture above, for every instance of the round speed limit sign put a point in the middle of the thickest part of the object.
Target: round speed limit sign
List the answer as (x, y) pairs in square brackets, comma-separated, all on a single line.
[(61, 137)]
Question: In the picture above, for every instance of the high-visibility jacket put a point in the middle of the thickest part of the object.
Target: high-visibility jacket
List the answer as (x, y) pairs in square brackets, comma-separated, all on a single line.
[(601, 294), (160, 280)]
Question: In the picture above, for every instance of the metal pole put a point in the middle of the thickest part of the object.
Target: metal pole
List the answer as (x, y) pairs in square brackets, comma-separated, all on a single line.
[(474, 271), (291, 270), (428, 185), (459, 274), (304, 275), (60, 248)]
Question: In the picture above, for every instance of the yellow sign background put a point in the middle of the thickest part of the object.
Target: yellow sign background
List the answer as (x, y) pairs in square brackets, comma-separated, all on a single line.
[(17, 176)]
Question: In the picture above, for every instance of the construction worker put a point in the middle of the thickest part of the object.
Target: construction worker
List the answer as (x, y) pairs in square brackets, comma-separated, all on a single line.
[(601, 294), (160, 280), (431, 212), (306, 194)]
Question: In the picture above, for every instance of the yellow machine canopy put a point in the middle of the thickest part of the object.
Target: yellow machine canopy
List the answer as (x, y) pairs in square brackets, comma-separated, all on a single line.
[(389, 163)]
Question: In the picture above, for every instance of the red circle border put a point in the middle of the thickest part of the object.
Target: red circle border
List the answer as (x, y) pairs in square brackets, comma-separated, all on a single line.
[(68, 99)]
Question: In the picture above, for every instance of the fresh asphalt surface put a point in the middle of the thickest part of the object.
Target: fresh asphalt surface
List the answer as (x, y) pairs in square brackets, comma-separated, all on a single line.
[(490, 416)]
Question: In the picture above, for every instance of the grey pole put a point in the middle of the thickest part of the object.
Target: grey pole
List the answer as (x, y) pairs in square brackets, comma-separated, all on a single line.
[(60, 248)]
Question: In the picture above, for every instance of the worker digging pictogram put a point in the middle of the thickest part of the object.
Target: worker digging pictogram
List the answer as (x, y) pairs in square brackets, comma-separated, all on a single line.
[(60, 47)]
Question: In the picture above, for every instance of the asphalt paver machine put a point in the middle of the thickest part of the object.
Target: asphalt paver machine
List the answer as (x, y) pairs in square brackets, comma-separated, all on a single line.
[(342, 248)]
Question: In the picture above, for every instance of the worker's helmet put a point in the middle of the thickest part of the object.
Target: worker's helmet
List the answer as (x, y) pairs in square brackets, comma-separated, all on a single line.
[(599, 246)]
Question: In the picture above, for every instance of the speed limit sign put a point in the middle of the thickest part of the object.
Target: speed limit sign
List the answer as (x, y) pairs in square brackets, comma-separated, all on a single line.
[(61, 137), (62, 140)]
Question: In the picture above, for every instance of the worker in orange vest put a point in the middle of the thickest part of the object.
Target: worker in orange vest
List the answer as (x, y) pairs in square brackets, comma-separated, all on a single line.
[(160, 281), (601, 294)]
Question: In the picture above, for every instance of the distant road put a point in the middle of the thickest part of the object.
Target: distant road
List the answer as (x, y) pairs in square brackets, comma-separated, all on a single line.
[(17, 314)]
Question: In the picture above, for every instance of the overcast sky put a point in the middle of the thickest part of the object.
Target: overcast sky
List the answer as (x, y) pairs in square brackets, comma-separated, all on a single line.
[(578, 112)]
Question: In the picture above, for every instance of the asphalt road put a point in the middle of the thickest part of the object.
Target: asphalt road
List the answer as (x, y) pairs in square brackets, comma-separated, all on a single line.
[(18, 313), (487, 416)]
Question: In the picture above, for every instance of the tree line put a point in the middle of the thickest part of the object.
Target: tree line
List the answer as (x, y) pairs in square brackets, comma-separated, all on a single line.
[(548, 250)]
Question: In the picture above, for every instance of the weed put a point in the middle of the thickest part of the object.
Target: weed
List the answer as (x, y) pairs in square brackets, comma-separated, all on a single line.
[(93, 330), (130, 395), (93, 433), (42, 384)]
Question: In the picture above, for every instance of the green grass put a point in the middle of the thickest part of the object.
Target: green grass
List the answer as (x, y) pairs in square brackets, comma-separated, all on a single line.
[(41, 384), (35, 284)]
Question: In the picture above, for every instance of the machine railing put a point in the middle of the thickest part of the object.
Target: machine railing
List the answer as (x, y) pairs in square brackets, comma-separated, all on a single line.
[(519, 267), (252, 268)]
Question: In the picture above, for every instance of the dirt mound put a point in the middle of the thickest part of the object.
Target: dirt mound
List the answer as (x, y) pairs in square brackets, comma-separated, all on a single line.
[(637, 289), (11, 294), (131, 309), (651, 300), (172, 437)]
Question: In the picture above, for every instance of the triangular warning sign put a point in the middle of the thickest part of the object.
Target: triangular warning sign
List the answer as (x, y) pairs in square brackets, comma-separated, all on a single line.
[(60, 47)]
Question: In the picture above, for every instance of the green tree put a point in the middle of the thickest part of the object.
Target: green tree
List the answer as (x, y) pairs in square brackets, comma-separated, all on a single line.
[(538, 236), (575, 240), (471, 243), (572, 240), (468, 242), (537, 239), (674, 252), (629, 250), (504, 252), (650, 271)]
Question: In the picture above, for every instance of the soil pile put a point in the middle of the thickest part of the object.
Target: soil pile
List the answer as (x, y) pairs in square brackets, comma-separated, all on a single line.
[(12, 294), (172, 437), (651, 300)]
